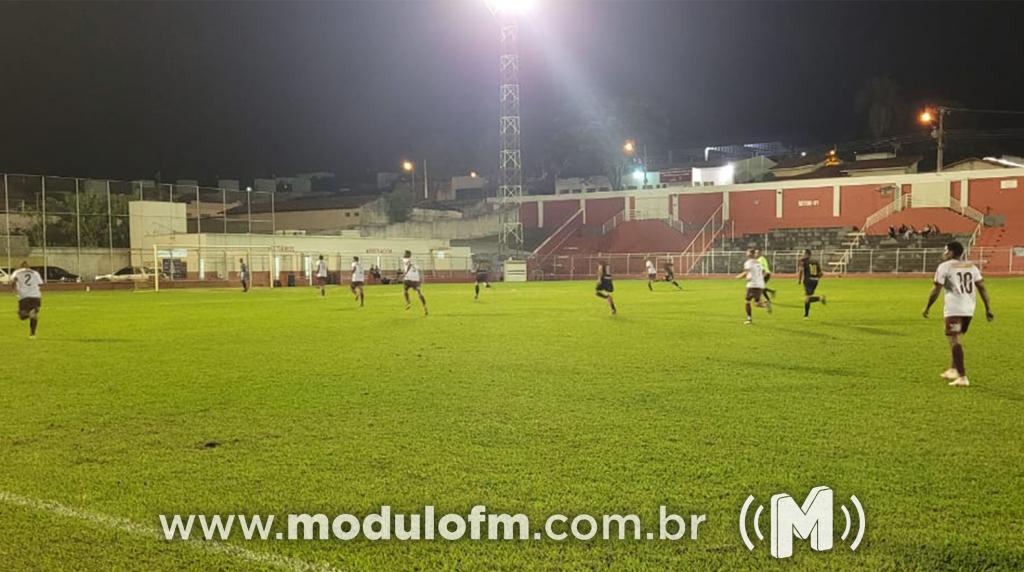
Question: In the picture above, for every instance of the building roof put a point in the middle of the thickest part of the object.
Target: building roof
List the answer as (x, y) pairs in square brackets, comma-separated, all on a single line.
[(314, 203), (995, 164), (903, 162), (823, 172), (799, 161)]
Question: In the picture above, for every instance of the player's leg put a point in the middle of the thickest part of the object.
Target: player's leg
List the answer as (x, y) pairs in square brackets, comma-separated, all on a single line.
[(33, 322), (476, 290), (956, 327), (650, 283), (748, 306), (361, 297), (405, 293), (423, 300)]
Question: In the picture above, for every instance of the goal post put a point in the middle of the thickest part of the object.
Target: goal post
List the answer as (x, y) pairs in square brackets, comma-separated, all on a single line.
[(176, 265)]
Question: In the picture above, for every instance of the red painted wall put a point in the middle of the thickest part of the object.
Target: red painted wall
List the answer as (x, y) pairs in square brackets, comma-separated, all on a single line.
[(795, 216), (752, 211), (600, 210), (557, 212), (987, 197), (696, 209), (528, 215), (858, 202)]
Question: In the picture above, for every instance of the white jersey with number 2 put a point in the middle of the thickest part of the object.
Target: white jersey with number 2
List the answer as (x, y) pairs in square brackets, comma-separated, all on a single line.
[(957, 278), (321, 269), (26, 283), (358, 275)]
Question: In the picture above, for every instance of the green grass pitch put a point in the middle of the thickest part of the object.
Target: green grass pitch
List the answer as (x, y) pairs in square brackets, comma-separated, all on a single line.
[(532, 399)]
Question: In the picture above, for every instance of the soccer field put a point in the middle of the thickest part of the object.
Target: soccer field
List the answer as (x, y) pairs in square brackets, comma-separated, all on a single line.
[(531, 400)]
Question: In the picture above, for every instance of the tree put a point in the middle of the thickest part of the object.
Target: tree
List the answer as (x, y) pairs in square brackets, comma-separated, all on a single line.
[(881, 101)]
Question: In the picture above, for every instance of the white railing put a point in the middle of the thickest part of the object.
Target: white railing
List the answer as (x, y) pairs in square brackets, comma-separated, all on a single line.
[(556, 237), (904, 202), (707, 235), (967, 211), (610, 224)]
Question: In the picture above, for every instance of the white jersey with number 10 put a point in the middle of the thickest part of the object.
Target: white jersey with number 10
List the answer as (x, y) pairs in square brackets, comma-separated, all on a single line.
[(957, 278)]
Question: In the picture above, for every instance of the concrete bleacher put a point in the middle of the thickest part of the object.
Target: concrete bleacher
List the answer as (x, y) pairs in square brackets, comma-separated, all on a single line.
[(875, 253)]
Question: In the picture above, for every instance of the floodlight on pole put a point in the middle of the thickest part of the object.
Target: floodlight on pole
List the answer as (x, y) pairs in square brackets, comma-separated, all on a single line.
[(510, 160), (629, 147)]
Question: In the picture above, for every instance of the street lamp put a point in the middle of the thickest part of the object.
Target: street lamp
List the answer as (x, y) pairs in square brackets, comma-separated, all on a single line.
[(928, 117), (410, 167), (629, 147)]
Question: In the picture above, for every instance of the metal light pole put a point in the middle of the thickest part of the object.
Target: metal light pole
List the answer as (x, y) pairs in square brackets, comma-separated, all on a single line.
[(510, 161)]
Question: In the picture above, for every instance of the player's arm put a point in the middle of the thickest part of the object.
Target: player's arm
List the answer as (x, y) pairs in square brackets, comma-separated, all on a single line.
[(799, 273), (932, 297), (983, 292)]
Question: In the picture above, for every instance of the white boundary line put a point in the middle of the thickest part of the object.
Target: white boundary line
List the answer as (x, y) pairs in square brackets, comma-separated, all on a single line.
[(128, 526)]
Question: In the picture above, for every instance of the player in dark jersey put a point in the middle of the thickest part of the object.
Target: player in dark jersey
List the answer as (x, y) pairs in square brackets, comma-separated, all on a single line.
[(808, 274), (605, 287), (480, 270), (670, 274)]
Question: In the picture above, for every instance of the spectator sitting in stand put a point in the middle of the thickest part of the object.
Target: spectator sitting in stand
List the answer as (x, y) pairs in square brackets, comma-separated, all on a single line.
[(892, 232)]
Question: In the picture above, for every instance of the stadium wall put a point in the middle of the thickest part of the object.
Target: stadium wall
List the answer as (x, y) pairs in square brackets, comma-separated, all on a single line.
[(759, 207)]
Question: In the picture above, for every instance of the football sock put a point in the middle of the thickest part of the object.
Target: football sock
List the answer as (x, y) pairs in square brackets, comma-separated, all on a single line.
[(958, 359)]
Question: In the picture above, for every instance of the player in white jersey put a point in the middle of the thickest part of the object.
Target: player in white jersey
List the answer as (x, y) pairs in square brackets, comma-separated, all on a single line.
[(652, 273), (411, 280), (26, 284), (358, 277), (321, 275), (754, 273), (959, 279)]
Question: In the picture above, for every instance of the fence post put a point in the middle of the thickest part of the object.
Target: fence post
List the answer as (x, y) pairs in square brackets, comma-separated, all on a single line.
[(1009, 252), (78, 233), (871, 261), (110, 229), (924, 260), (897, 269), (7, 219), (42, 183)]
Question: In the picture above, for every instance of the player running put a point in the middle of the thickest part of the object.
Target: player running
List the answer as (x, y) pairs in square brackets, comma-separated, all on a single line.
[(959, 278), (358, 278), (26, 284), (767, 273), (480, 270), (243, 274), (321, 275), (670, 275), (754, 273), (808, 274), (411, 280), (604, 285), (652, 274)]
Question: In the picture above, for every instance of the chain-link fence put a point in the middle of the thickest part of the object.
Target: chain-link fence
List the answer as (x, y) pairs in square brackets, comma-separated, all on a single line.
[(1002, 260), (75, 229)]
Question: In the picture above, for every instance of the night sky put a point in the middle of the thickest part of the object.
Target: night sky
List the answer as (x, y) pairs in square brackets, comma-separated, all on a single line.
[(238, 90)]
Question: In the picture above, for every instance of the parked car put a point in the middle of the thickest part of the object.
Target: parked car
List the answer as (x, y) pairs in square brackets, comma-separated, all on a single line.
[(128, 274), (56, 274)]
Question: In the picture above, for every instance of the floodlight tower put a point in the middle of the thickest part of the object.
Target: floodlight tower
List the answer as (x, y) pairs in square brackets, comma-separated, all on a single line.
[(510, 158)]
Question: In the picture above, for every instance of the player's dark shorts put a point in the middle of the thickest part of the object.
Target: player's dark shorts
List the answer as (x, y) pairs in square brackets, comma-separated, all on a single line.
[(356, 284), (652, 276), (26, 305), (321, 280), (605, 285), (481, 277), (810, 286), (754, 294), (957, 325), (411, 284), (669, 277)]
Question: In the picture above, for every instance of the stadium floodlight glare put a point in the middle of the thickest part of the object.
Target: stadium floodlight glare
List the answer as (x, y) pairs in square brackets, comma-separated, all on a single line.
[(638, 174), (628, 147), (473, 174), (408, 166), (926, 117), (511, 7)]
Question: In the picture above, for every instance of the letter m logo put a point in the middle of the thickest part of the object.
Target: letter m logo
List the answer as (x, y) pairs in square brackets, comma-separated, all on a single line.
[(811, 521)]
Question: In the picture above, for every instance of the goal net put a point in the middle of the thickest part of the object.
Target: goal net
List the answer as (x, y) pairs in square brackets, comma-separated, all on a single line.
[(176, 266)]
